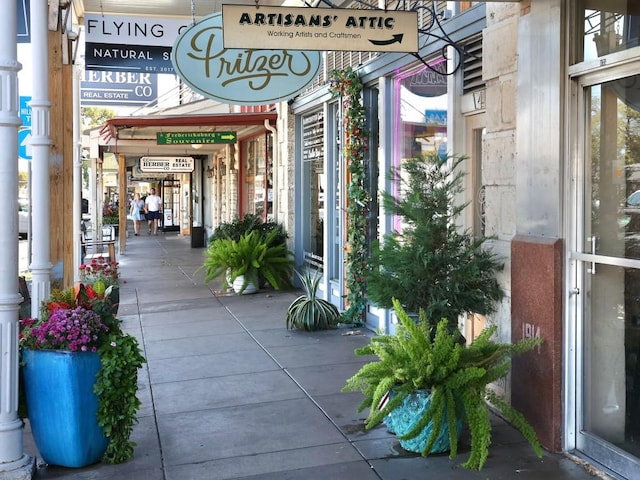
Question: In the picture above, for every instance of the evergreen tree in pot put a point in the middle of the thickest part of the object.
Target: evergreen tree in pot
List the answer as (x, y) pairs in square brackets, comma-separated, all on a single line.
[(431, 264)]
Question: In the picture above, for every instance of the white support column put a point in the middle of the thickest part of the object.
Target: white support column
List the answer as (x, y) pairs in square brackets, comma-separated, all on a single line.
[(77, 176), (40, 142), (14, 464)]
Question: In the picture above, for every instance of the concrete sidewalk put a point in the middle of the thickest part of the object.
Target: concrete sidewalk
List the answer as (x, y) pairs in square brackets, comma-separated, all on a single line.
[(228, 392)]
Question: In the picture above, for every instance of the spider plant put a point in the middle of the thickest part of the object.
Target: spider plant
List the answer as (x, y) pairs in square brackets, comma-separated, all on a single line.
[(309, 312)]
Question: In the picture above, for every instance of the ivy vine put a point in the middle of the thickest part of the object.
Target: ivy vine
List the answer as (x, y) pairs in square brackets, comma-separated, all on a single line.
[(116, 386), (347, 86)]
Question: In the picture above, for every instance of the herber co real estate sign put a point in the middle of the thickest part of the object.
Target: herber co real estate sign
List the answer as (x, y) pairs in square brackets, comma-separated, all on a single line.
[(118, 88), (239, 76), (363, 30), (166, 164)]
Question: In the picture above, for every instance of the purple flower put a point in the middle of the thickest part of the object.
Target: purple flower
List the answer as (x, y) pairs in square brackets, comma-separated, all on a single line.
[(74, 329)]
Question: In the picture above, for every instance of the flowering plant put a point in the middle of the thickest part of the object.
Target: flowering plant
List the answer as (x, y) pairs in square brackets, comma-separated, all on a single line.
[(94, 297), (75, 329), (83, 319), (100, 270), (75, 319)]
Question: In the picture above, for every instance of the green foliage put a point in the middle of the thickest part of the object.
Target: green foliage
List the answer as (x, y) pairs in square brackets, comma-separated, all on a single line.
[(431, 264), (457, 376), (346, 85), (116, 387), (248, 223), (250, 255), (308, 312), (95, 116)]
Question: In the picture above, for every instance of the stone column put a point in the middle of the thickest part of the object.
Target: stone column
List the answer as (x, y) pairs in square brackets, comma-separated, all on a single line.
[(14, 464)]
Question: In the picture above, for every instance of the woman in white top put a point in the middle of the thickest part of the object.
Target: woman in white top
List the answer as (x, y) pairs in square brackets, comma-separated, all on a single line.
[(137, 213)]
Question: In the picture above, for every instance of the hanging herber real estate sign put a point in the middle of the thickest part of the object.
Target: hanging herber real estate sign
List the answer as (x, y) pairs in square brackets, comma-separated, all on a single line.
[(130, 43), (239, 76), (166, 164), (118, 88), (358, 30)]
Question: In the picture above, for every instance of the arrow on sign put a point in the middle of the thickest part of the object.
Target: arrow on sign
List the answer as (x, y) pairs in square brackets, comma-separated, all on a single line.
[(228, 136), (396, 39), (24, 144)]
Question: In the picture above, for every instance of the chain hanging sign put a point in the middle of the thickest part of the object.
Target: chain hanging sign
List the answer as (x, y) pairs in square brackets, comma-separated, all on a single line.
[(356, 30), (166, 164), (239, 76)]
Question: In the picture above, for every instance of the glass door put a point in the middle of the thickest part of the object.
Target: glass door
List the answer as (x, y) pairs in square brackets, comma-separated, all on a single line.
[(605, 301), (170, 205)]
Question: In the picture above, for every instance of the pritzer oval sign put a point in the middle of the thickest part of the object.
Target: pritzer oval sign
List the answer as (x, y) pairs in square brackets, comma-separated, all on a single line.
[(239, 76)]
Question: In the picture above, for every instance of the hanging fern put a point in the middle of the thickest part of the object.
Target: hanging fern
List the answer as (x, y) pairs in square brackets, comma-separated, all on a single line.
[(346, 85)]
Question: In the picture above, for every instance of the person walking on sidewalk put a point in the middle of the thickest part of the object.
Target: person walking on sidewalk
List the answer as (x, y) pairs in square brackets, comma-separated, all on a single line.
[(153, 204), (137, 213)]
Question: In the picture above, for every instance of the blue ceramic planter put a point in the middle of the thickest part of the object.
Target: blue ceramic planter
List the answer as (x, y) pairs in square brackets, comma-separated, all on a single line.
[(401, 420), (62, 406)]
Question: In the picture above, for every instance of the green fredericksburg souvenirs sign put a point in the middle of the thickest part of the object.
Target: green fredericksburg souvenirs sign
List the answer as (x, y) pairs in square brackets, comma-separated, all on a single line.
[(187, 138), (239, 76)]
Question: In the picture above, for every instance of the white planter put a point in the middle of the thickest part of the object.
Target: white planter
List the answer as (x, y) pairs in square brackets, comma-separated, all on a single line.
[(237, 286)]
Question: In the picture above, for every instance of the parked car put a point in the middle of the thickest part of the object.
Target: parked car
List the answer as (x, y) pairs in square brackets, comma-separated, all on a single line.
[(24, 215)]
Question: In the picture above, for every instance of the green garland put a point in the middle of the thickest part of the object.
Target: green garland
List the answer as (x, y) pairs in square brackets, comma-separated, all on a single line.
[(346, 85)]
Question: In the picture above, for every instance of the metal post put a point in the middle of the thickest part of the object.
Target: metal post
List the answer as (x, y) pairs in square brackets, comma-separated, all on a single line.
[(40, 146), (14, 463)]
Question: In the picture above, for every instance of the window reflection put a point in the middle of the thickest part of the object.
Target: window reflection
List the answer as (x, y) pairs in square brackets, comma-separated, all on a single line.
[(609, 26), (421, 118)]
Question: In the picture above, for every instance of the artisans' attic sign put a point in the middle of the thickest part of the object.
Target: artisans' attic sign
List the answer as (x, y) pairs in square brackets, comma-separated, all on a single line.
[(364, 30)]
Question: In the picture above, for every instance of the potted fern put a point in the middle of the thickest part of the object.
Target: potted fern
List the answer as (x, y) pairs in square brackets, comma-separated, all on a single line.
[(240, 262), (423, 383), (309, 312)]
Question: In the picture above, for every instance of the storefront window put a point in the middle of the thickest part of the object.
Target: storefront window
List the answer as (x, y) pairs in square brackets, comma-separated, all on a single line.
[(421, 114), (258, 176), (608, 27), (315, 180)]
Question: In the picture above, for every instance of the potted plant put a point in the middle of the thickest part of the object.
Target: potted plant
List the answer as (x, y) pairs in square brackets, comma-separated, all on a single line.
[(423, 382), (309, 312), (103, 274), (80, 378), (111, 216), (431, 264), (240, 262)]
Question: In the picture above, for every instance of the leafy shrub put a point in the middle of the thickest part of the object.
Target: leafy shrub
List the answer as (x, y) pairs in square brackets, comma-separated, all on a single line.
[(249, 256), (238, 227)]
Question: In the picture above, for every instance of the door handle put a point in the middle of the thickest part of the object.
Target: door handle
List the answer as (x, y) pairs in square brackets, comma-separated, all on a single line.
[(593, 239)]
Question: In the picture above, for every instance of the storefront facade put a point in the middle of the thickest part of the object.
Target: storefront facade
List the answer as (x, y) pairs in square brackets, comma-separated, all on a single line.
[(544, 103), (546, 109)]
